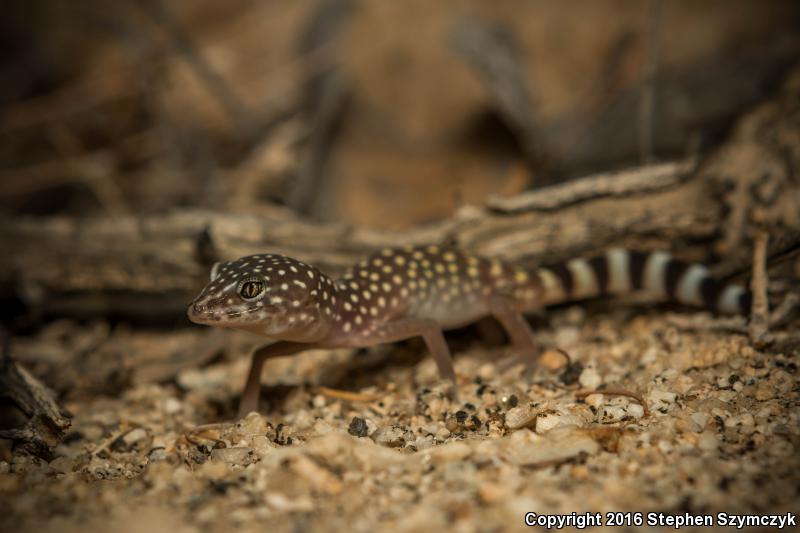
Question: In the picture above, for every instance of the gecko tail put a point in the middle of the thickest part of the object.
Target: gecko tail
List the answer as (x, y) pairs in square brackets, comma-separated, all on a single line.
[(621, 271)]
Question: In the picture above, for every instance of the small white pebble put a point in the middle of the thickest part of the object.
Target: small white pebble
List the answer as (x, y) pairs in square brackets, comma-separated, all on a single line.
[(661, 400), (280, 502), (708, 441), (372, 427), (423, 442), (700, 420), (519, 416), (172, 406), (610, 414), (319, 401), (635, 410), (594, 400), (589, 378), (547, 422)]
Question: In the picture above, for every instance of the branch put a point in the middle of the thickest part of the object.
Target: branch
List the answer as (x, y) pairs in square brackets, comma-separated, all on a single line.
[(44, 425), (128, 263)]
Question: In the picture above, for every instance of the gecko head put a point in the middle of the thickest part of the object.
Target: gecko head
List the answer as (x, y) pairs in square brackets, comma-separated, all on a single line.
[(268, 294)]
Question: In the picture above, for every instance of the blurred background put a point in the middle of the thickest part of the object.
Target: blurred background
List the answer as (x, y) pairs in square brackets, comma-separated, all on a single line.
[(380, 114), (143, 140)]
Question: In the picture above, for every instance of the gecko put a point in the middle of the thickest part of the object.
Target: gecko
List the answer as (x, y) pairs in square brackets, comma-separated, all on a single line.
[(419, 291)]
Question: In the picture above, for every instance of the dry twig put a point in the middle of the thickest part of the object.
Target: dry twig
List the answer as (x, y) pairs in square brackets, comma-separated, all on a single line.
[(759, 318), (346, 395), (44, 424)]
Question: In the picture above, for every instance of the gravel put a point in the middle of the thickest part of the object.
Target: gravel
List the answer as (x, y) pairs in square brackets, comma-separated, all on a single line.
[(722, 434)]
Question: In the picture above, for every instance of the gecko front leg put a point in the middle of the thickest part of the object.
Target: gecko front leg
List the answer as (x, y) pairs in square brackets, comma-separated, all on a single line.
[(252, 388)]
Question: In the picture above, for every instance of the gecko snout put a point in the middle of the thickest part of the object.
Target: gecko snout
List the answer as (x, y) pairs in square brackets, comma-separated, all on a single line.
[(194, 310), (197, 311)]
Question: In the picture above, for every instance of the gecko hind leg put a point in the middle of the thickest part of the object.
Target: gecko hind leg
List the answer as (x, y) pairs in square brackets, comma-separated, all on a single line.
[(524, 348), (431, 333)]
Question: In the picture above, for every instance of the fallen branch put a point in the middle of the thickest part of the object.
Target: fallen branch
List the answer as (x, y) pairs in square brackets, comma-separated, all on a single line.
[(129, 263), (39, 425)]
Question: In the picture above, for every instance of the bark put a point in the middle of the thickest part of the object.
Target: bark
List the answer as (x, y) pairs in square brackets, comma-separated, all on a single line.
[(153, 264)]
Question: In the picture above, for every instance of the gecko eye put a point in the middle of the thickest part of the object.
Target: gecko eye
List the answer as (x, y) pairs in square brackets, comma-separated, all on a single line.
[(251, 289)]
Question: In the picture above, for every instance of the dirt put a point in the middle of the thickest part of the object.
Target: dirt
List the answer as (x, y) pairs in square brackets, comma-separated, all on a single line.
[(694, 420)]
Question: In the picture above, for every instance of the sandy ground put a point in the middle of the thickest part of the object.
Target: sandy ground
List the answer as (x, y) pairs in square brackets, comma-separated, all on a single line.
[(714, 429)]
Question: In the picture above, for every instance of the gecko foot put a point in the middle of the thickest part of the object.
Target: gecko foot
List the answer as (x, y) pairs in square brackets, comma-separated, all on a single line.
[(527, 357)]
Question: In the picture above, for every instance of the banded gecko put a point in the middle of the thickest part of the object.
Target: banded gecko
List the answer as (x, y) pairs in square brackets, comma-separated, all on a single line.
[(401, 293)]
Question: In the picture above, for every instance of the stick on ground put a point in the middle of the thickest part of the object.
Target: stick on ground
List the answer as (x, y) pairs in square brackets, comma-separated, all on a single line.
[(759, 316)]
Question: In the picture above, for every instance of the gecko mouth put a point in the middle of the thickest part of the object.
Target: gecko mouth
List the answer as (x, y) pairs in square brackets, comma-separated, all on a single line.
[(199, 314), (205, 314)]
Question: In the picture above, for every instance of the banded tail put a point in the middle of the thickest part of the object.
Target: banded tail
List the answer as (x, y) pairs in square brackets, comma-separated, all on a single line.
[(621, 271)]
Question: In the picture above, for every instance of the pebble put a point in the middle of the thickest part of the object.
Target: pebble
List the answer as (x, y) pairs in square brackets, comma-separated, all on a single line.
[(595, 400), (372, 427), (423, 442), (322, 427), (551, 421), (319, 401), (157, 454), (589, 378), (494, 492), (391, 436), (764, 391), (317, 476), (700, 420), (172, 406), (280, 502), (442, 434), (559, 445), (661, 400), (552, 360), (358, 427), (448, 453), (252, 424), (429, 429), (520, 416), (134, 436), (262, 445), (727, 395), (609, 414), (744, 420), (707, 441), (635, 410), (234, 456), (62, 465), (462, 421)]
